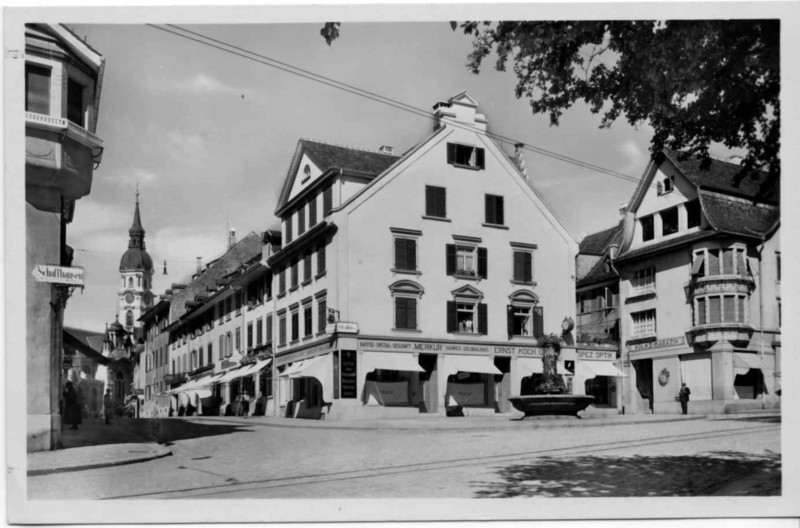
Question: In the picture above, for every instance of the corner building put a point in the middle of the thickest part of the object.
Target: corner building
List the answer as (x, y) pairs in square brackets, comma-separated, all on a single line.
[(410, 283)]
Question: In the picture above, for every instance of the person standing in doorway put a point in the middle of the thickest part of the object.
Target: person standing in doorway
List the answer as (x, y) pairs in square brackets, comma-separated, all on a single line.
[(108, 406), (72, 406), (683, 396)]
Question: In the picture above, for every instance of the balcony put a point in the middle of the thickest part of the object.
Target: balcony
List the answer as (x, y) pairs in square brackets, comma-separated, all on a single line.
[(728, 283), (738, 334), (60, 158)]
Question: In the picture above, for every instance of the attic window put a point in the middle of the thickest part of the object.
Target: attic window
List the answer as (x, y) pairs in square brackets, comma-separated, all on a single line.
[(306, 173), (664, 187), (465, 156)]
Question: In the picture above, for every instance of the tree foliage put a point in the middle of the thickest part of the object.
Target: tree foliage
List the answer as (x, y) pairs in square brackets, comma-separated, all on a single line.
[(695, 82)]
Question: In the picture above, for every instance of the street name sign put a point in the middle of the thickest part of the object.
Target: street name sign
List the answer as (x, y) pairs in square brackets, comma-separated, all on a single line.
[(58, 274)]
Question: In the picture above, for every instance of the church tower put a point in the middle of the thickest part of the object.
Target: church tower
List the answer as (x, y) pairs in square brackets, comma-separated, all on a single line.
[(136, 270)]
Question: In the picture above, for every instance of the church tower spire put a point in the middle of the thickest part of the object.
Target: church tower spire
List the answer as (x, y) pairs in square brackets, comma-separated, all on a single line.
[(136, 231), (136, 269)]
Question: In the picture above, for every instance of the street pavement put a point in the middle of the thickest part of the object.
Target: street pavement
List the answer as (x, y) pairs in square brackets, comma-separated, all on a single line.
[(438, 457)]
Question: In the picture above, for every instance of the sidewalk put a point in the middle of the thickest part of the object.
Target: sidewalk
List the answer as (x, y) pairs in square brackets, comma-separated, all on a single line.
[(127, 441)]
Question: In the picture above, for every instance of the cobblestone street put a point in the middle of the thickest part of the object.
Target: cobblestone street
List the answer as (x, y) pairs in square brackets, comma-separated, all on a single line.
[(248, 459)]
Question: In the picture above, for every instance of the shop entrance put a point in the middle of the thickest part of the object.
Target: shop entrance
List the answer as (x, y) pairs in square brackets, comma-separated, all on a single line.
[(600, 388), (644, 381), (750, 385)]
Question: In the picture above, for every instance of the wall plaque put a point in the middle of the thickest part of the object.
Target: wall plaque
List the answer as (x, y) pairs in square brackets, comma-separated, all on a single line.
[(349, 374)]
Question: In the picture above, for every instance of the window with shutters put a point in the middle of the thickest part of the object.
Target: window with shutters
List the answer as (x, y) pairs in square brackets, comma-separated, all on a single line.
[(301, 221), (524, 315), (281, 328), (466, 261), (282, 282), (405, 251), (321, 260), (307, 268), (210, 354), (37, 89), (327, 200), (709, 262), (406, 295), (288, 227), (308, 323), (295, 275), (523, 264), (644, 280), (259, 332), (249, 336), (466, 314), (312, 211), (322, 313), (494, 210), (435, 202), (238, 339), (269, 329), (465, 156), (295, 324)]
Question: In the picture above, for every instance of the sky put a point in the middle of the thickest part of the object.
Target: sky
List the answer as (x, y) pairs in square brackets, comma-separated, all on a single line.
[(208, 136)]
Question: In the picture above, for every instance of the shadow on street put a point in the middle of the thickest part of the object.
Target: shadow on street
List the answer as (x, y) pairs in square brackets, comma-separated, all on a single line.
[(130, 430), (638, 476), (770, 418)]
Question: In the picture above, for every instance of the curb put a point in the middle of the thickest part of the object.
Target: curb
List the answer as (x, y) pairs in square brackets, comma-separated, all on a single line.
[(153, 455)]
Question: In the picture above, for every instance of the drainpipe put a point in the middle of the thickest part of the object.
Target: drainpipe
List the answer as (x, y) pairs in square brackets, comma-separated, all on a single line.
[(761, 306)]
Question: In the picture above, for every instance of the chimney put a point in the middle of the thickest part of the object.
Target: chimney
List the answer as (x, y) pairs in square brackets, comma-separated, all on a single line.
[(386, 149), (519, 159), (199, 265), (623, 209), (612, 251), (231, 238)]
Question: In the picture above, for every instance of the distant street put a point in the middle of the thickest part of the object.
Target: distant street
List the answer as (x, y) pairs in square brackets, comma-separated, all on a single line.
[(244, 458)]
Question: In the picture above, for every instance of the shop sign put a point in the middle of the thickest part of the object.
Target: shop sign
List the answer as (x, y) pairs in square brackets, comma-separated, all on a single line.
[(380, 345), (517, 351), (349, 374), (596, 354), (58, 274), (661, 343), (341, 327)]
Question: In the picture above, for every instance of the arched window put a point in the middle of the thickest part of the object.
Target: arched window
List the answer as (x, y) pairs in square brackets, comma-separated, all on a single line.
[(138, 280), (129, 318), (130, 282), (466, 314), (406, 295), (524, 315)]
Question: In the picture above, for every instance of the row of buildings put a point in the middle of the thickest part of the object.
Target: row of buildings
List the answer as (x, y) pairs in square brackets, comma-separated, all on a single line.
[(400, 284)]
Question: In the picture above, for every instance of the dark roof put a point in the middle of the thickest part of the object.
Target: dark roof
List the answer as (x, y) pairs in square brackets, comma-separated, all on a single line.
[(720, 176), (665, 245), (597, 243), (328, 156), (600, 272), (136, 259), (90, 344), (737, 216)]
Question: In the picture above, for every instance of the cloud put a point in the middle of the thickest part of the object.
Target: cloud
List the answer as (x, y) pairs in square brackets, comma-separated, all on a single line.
[(199, 84), (635, 158)]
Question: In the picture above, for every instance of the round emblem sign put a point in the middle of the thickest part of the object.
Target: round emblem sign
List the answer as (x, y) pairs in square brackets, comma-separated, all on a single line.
[(129, 297), (146, 298), (663, 378)]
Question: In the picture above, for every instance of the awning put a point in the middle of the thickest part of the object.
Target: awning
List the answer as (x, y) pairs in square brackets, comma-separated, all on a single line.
[(230, 375), (294, 367), (590, 369), (482, 364), (528, 366), (198, 393), (389, 361), (742, 362), (321, 368), (256, 367), (697, 263)]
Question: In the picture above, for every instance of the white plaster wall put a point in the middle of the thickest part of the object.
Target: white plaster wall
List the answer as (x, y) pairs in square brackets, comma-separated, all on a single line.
[(299, 185)]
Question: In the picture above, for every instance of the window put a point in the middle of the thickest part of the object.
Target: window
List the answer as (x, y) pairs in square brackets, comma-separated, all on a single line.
[(249, 336), (288, 224), (210, 354), (644, 280), (37, 89), (466, 261), (468, 317), (664, 186), (238, 339), (321, 259), (777, 264), (523, 267), (693, 214), (281, 329), (312, 211), (435, 201), (308, 324), (228, 345), (716, 309), (322, 314), (405, 254), (301, 221), (494, 209), (307, 268), (647, 228), (327, 200), (228, 308), (295, 325), (259, 332), (282, 282), (465, 156), (238, 303), (269, 329), (76, 110), (524, 316), (669, 221), (726, 261), (129, 318), (644, 323), (405, 313), (294, 274)]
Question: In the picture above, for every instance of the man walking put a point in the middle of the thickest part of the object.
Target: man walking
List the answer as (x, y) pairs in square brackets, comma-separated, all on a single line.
[(683, 396)]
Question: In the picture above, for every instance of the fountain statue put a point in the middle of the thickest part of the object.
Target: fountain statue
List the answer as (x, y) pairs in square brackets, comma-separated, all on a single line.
[(550, 395)]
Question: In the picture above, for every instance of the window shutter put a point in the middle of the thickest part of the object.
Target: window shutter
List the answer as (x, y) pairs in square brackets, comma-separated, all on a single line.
[(400, 258), (322, 315), (269, 329), (430, 201), (480, 158), (411, 313), (499, 212), (400, 319), (451, 153), (482, 263), (441, 203), (452, 320), (538, 321), (490, 210), (301, 221), (483, 319), (312, 211), (519, 266), (327, 200), (450, 259), (321, 259), (510, 320), (411, 254), (528, 271)]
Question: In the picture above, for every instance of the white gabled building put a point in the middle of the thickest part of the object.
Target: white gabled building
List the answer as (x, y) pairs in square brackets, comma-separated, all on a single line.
[(408, 283)]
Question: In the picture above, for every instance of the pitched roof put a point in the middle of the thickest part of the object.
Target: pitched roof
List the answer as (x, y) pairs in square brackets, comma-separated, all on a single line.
[(665, 245), (88, 343), (598, 243), (328, 156), (738, 216), (600, 272), (720, 176)]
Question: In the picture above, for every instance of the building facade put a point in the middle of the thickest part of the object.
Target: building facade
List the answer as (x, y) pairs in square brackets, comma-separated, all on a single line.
[(415, 283), (700, 288), (63, 76)]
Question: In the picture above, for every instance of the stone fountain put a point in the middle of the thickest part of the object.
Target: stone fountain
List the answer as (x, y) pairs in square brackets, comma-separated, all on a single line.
[(550, 395)]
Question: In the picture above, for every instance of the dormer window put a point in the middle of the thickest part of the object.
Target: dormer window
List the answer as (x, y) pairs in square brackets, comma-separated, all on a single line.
[(664, 186), (465, 156)]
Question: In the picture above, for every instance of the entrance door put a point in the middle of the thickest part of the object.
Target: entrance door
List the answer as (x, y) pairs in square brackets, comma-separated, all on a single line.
[(644, 381)]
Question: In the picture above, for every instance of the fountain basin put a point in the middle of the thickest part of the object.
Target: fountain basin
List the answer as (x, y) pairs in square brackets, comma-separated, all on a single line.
[(551, 404)]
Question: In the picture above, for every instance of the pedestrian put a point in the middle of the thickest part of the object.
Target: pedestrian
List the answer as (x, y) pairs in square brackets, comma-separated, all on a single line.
[(683, 396), (72, 406), (108, 406)]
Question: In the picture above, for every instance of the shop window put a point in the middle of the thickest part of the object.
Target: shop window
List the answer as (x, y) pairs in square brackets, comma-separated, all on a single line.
[(599, 388), (307, 268), (295, 323), (37, 89), (648, 232), (327, 200), (644, 323), (669, 221), (644, 280), (312, 211), (494, 213), (466, 261), (693, 214), (281, 329), (523, 267), (308, 325), (465, 156), (435, 201), (76, 109), (405, 254)]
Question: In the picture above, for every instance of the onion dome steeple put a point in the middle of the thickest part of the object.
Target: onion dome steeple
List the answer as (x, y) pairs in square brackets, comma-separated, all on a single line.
[(136, 258)]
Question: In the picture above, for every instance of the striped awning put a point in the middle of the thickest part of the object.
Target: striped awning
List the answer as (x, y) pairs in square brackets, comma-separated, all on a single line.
[(742, 362)]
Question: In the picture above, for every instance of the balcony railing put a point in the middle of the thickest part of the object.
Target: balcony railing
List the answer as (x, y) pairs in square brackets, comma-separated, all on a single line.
[(73, 131)]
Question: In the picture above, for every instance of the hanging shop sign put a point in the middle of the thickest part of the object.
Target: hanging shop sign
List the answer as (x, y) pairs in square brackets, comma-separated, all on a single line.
[(661, 343), (341, 327), (58, 274), (349, 374)]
